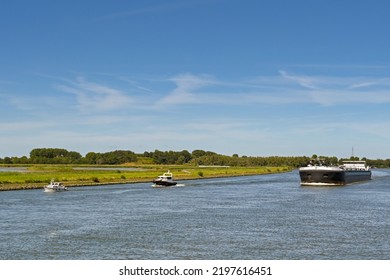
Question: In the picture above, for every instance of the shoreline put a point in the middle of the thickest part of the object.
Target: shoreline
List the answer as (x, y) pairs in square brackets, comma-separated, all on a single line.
[(18, 187)]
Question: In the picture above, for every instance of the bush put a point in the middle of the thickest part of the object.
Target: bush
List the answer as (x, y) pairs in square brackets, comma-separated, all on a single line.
[(95, 179)]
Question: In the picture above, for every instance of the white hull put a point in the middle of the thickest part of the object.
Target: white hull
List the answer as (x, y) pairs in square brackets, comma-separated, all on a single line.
[(54, 187), (47, 189)]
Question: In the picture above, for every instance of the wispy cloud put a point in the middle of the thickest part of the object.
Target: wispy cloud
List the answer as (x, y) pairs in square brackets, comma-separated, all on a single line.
[(186, 89), (34, 105), (282, 89), (106, 94), (365, 82), (304, 81), (95, 97), (323, 90), (23, 126)]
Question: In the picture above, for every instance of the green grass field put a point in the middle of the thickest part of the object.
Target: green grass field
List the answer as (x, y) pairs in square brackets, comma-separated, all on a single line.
[(36, 176)]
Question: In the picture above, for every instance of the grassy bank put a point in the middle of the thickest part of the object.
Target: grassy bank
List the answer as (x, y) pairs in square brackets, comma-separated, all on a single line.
[(36, 176)]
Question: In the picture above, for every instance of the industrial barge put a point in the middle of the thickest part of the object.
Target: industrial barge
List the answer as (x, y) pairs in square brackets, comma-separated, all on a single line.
[(319, 174)]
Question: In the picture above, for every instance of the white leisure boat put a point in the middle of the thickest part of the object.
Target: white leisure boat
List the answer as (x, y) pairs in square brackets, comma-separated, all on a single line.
[(165, 180), (55, 187)]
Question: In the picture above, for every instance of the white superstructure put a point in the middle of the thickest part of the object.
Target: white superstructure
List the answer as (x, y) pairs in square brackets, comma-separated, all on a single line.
[(55, 187)]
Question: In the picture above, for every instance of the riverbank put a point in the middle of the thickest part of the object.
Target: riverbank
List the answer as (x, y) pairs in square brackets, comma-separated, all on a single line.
[(35, 177)]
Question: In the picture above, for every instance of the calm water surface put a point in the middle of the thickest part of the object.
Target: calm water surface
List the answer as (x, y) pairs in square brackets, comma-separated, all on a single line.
[(255, 217)]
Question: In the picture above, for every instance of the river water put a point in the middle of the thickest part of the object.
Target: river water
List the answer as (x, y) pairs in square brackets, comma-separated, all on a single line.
[(253, 217)]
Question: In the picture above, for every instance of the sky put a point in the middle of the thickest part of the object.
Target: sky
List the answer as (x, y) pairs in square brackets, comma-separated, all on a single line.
[(252, 77)]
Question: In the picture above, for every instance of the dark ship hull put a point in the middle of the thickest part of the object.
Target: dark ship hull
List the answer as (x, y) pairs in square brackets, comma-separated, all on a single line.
[(332, 177), (349, 172), (165, 180), (164, 183)]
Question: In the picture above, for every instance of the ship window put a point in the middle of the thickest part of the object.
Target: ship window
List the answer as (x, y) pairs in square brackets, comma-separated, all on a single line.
[(326, 175)]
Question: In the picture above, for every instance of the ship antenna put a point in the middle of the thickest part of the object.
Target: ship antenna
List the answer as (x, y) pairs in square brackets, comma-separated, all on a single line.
[(353, 153)]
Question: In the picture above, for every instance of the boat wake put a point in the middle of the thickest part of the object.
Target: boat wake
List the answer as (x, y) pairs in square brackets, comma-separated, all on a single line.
[(380, 173), (165, 187)]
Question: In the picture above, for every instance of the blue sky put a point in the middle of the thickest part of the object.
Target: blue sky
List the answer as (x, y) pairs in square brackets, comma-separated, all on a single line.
[(253, 77)]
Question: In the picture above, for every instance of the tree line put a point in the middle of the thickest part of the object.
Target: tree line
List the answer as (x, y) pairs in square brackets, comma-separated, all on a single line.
[(196, 157)]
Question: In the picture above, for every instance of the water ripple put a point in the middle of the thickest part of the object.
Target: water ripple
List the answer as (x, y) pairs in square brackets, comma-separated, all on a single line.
[(254, 217)]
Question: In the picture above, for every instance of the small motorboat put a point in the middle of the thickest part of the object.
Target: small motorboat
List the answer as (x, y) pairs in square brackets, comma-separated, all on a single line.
[(55, 187), (165, 180)]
